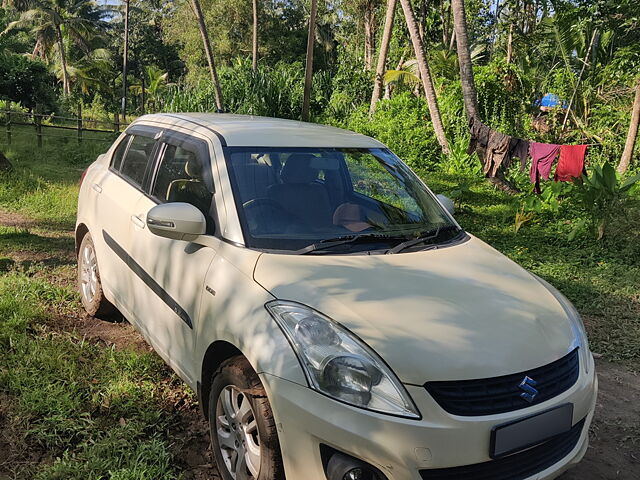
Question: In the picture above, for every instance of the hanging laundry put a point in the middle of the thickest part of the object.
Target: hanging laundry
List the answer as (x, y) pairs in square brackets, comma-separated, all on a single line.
[(571, 163), (520, 148), (479, 137), (542, 157), (497, 153)]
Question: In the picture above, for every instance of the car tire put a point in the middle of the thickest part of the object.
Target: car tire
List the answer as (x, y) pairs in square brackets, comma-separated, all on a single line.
[(89, 284), (242, 425)]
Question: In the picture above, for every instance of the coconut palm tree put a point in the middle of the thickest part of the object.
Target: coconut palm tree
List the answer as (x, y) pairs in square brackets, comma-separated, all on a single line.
[(308, 74), (382, 58), (425, 75), (197, 10), (52, 20), (464, 59), (632, 134), (254, 49)]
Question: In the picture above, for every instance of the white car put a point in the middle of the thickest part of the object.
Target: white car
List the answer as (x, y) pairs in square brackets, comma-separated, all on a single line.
[(334, 319)]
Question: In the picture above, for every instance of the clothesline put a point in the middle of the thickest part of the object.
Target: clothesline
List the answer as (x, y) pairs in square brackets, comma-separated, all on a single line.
[(497, 150)]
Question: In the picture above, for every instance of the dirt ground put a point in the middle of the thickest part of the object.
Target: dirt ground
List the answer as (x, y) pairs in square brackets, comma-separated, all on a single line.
[(614, 450)]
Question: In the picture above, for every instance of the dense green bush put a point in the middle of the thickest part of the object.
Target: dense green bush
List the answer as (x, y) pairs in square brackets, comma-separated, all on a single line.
[(402, 123)]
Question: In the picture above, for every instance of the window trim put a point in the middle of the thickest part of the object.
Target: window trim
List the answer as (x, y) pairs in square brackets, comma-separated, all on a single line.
[(181, 140), (140, 131), (195, 145)]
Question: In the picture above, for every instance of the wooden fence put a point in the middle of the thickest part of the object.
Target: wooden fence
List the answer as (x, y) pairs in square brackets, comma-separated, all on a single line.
[(41, 122)]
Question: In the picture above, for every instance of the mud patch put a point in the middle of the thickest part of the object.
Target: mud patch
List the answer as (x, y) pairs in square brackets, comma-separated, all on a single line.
[(13, 219), (614, 448), (191, 445), (116, 332)]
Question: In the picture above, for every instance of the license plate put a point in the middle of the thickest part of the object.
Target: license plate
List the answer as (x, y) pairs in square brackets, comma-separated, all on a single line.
[(530, 431)]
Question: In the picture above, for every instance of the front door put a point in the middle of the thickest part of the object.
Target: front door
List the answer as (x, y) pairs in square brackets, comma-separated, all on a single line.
[(167, 294)]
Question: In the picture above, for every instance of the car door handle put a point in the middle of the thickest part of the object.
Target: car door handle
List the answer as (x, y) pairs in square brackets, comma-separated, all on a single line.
[(97, 188), (137, 221)]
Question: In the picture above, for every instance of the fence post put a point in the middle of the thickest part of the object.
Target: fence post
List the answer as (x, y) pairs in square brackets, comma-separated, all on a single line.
[(79, 129), (8, 128), (38, 122)]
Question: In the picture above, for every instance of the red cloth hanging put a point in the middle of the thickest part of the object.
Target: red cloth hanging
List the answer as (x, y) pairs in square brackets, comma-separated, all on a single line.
[(571, 163)]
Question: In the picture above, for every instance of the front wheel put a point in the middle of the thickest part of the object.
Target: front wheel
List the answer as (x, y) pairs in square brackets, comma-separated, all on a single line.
[(243, 430)]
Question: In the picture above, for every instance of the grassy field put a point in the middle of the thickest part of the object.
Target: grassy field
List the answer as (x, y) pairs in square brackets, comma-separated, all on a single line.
[(80, 408)]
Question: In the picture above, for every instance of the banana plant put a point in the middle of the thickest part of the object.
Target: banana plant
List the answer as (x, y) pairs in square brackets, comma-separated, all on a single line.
[(602, 196)]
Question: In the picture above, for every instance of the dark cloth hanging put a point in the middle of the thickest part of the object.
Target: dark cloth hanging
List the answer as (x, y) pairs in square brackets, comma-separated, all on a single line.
[(543, 155), (571, 163), (497, 153), (479, 137), (520, 148)]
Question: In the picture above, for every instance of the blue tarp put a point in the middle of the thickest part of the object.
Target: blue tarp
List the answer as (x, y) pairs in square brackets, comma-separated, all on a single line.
[(550, 100)]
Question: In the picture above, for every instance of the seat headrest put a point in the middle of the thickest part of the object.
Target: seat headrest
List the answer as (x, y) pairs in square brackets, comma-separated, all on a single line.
[(193, 168), (298, 169)]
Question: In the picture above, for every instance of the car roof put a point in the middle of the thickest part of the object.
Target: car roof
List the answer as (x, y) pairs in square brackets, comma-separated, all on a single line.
[(254, 131)]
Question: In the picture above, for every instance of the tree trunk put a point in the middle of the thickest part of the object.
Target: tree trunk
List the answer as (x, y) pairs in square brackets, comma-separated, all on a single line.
[(66, 86), (142, 90), (125, 60), (255, 36), (464, 59), (422, 15), (369, 35), (382, 58), (209, 53), (425, 75), (632, 134), (510, 44), (308, 73)]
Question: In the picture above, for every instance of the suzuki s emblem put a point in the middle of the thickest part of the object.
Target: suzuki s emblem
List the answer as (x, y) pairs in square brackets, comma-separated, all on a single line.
[(528, 391)]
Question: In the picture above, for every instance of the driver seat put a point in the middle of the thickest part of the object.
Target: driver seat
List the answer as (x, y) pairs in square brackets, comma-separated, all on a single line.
[(192, 189), (300, 194)]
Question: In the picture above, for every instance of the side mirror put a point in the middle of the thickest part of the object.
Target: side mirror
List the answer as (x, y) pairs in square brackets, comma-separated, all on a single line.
[(176, 220), (447, 203)]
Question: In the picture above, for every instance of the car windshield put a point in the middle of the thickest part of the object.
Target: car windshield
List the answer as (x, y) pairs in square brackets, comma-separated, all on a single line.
[(292, 198)]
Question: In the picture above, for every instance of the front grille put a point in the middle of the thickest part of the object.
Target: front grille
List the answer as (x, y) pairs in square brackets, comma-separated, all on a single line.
[(514, 467), (488, 396)]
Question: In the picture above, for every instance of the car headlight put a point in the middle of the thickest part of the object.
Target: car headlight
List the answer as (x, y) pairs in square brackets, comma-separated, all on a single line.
[(580, 333), (338, 364)]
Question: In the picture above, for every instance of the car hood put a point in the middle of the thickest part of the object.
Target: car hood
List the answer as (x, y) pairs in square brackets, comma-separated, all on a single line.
[(460, 312)]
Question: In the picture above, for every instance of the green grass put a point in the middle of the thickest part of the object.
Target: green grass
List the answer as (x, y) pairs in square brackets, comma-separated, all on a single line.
[(91, 411)]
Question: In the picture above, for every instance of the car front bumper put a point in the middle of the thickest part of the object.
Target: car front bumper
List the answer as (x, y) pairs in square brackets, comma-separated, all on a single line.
[(399, 447)]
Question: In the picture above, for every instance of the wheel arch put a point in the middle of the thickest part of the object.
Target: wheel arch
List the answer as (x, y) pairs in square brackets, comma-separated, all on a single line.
[(216, 354), (81, 231)]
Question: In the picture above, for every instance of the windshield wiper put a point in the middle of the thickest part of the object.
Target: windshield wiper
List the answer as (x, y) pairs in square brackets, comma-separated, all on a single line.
[(423, 238), (344, 240)]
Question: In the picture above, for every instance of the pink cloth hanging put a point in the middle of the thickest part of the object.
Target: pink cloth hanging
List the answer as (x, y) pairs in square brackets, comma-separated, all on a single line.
[(542, 157)]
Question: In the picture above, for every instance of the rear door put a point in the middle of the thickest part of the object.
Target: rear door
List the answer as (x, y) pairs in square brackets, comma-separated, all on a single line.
[(120, 188), (167, 295)]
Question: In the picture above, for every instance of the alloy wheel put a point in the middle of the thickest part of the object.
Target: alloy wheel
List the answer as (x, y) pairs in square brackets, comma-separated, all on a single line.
[(237, 431), (88, 273)]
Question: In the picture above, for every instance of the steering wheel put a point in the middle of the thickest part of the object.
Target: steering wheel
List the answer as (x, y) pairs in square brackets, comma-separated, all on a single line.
[(262, 202), (283, 221)]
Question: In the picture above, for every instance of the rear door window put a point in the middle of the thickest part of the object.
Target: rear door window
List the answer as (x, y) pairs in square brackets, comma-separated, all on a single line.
[(134, 164), (118, 155)]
